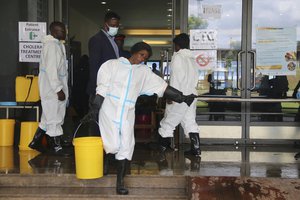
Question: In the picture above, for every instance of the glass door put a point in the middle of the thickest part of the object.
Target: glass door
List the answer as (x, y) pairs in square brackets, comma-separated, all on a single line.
[(274, 43), (236, 43), (216, 33)]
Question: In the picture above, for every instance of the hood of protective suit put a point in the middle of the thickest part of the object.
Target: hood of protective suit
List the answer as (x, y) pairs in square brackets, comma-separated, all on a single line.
[(185, 52), (49, 38)]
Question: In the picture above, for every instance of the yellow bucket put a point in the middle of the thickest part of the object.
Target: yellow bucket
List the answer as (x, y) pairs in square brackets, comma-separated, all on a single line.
[(88, 157), (27, 132), (7, 129), (25, 156), (6, 158)]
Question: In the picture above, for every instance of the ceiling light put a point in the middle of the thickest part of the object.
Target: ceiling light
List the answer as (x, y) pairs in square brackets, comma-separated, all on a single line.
[(103, 2), (170, 10), (157, 42), (160, 32), (169, 15)]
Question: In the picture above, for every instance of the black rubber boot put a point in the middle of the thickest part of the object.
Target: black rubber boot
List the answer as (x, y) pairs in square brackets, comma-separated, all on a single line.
[(164, 143), (195, 144), (55, 147), (107, 158), (121, 170), (36, 142)]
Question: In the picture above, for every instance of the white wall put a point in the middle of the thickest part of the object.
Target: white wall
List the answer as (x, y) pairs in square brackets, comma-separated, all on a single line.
[(82, 28)]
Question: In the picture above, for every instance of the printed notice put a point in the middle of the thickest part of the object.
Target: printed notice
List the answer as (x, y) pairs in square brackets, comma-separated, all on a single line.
[(203, 39), (276, 50), (211, 11), (30, 52), (32, 31)]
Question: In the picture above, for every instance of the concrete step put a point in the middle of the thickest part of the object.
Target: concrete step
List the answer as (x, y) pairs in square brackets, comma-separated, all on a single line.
[(67, 186), (66, 193)]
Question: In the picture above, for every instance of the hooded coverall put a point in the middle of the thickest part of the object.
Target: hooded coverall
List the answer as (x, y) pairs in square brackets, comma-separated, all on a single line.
[(183, 77), (53, 77), (120, 83)]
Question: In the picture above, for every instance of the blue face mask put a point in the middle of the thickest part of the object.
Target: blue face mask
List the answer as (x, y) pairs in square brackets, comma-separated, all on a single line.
[(112, 31)]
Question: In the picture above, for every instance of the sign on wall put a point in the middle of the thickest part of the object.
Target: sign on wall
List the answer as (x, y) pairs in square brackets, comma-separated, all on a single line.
[(30, 51), (32, 31), (30, 35), (203, 39)]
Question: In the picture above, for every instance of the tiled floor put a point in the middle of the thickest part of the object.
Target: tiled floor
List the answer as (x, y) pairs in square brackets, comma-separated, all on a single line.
[(220, 160)]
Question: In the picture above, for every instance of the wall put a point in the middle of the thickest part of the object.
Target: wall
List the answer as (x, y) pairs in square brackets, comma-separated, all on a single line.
[(9, 66), (82, 28)]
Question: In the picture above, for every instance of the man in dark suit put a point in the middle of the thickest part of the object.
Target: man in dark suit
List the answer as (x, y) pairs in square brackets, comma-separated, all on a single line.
[(102, 47)]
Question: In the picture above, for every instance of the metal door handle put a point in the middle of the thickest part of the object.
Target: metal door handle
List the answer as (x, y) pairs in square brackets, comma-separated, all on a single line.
[(254, 68), (237, 69)]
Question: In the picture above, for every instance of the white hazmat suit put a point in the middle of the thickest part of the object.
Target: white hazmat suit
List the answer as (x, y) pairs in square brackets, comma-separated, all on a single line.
[(183, 77), (53, 77), (120, 83)]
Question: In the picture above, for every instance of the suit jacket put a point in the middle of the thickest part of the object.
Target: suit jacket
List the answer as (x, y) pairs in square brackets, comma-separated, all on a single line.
[(100, 50)]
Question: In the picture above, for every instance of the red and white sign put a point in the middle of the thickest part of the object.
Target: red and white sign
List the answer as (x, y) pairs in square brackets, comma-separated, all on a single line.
[(206, 59)]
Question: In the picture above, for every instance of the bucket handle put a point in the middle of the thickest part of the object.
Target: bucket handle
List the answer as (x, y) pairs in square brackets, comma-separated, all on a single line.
[(80, 126)]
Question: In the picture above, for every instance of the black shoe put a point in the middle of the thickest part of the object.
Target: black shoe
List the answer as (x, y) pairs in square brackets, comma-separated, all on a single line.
[(36, 142), (195, 145), (55, 147), (121, 170)]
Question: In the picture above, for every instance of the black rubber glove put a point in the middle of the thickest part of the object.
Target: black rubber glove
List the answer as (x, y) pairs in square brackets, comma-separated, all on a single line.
[(94, 110), (177, 96)]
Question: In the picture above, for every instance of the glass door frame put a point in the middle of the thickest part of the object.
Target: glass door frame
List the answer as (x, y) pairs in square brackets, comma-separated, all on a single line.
[(247, 57)]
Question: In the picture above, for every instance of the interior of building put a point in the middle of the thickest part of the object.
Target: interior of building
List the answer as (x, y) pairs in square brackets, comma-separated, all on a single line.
[(247, 54)]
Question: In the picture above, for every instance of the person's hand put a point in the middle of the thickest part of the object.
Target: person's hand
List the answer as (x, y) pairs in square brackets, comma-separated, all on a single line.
[(189, 99), (61, 95)]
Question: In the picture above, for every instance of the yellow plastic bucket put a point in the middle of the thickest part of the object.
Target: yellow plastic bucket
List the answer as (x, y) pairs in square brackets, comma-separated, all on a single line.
[(7, 128), (27, 132), (88, 157), (25, 156), (6, 158)]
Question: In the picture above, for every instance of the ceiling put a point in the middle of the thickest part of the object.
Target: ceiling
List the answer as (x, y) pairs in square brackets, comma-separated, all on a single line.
[(135, 14)]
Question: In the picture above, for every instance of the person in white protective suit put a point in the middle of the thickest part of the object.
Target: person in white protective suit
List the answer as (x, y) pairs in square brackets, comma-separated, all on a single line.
[(119, 83), (53, 88), (183, 77)]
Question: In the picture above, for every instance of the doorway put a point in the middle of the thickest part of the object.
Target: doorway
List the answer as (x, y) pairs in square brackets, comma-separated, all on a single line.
[(240, 107)]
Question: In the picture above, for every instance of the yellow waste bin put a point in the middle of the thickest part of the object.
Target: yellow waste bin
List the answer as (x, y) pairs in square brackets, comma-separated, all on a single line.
[(27, 132), (7, 129), (6, 158)]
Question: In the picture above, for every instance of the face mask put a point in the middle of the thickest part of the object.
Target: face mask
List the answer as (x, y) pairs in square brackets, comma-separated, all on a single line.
[(112, 31)]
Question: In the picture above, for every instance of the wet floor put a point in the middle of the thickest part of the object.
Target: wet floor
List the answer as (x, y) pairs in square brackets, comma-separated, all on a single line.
[(216, 160)]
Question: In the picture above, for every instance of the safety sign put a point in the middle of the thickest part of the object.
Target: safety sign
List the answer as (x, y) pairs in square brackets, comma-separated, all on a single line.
[(32, 31), (206, 59)]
